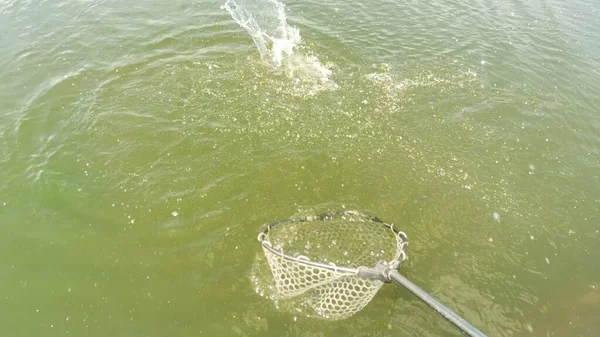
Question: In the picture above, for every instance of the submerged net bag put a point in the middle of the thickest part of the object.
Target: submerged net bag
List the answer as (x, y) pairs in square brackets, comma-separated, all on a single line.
[(333, 263)]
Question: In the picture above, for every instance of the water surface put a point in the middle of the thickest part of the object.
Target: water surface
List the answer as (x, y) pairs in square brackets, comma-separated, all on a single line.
[(144, 145)]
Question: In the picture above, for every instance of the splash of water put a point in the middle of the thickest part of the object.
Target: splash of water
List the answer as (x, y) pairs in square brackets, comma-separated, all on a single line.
[(279, 44)]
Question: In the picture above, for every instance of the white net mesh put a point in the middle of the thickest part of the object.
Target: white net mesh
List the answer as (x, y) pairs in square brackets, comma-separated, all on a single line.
[(348, 240)]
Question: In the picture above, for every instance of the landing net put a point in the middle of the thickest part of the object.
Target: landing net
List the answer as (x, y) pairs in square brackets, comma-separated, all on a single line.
[(332, 262)]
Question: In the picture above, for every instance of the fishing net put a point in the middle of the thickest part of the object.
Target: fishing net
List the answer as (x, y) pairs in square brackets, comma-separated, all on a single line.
[(333, 263)]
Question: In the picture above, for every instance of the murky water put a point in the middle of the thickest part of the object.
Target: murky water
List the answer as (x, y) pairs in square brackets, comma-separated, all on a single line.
[(144, 145)]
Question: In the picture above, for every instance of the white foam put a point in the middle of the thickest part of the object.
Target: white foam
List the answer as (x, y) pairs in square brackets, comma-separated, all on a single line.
[(279, 43)]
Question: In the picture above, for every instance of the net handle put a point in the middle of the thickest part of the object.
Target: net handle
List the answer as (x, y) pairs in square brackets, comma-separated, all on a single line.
[(441, 309)]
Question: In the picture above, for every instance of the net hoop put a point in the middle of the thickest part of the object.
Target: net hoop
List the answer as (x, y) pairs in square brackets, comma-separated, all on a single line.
[(263, 238)]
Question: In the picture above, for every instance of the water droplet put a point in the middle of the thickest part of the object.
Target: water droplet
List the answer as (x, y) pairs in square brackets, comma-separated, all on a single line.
[(496, 216), (175, 213), (491, 240), (547, 261), (483, 62)]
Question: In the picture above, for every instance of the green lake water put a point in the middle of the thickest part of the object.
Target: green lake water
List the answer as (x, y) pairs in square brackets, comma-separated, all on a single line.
[(143, 146)]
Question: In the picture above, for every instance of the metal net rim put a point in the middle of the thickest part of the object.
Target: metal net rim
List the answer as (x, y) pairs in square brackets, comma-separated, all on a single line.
[(263, 238)]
